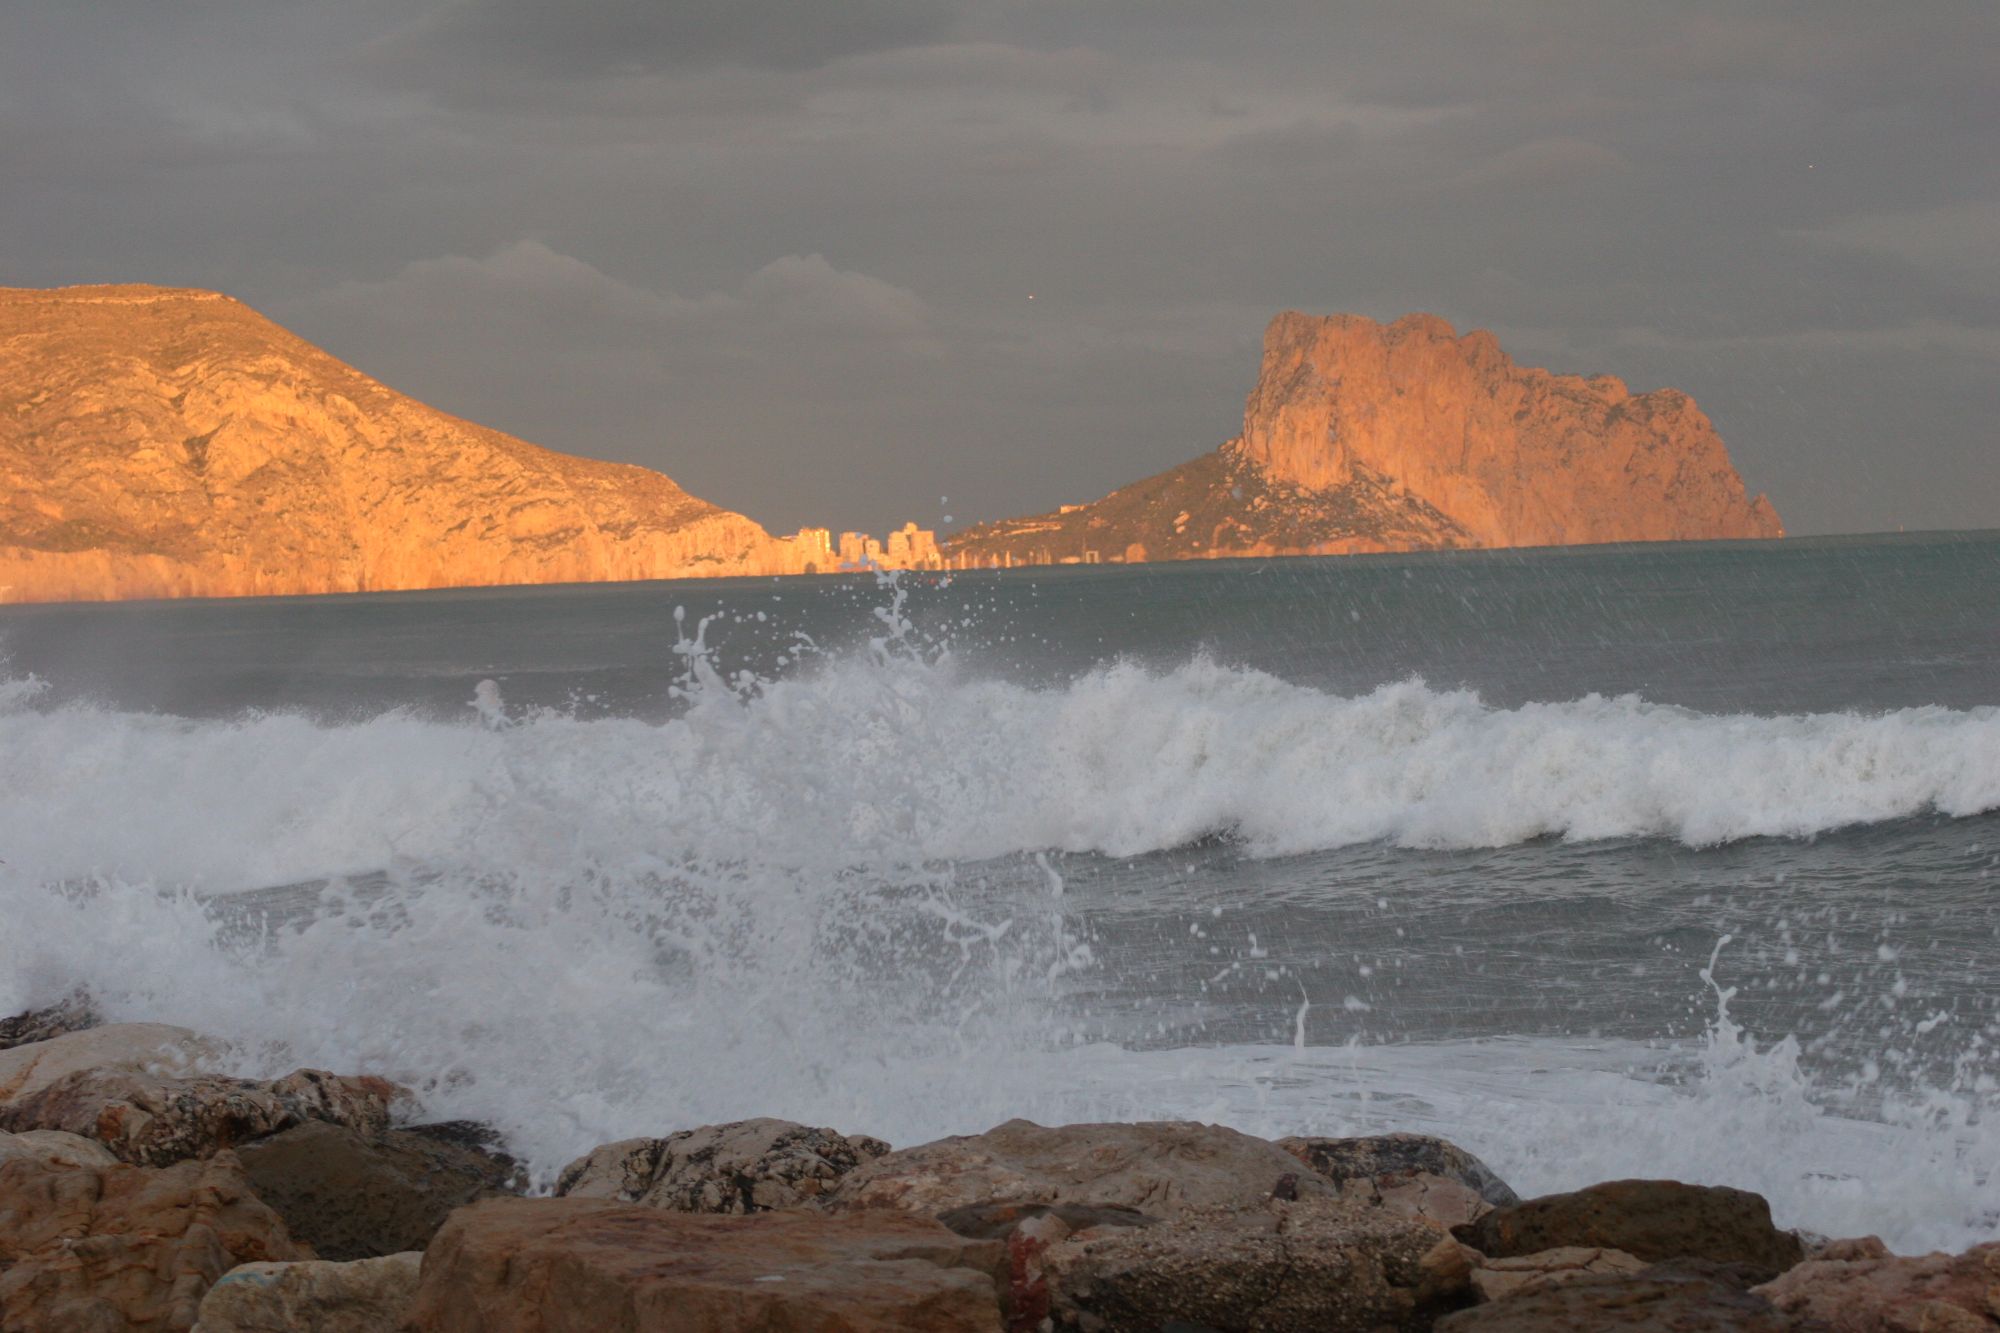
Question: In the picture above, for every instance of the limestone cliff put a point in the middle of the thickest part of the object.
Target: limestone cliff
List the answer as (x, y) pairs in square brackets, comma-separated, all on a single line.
[(157, 442), (1367, 437)]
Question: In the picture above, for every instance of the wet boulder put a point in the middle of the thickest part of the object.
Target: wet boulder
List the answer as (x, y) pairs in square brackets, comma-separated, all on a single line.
[(312, 1296), (1161, 1169), (592, 1266), (27, 1068), (73, 1014), (1874, 1290), (116, 1247), (55, 1148), (1494, 1278), (747, 1166), (1317, 1263), (1650, 1219), (1385, 1158), (1654, 1301), (352, 1195), (154, 1120)]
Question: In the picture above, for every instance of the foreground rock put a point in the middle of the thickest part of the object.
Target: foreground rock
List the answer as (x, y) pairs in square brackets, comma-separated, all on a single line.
[(1161, 1169), (116, 1247), (748, 1166), (52, 1147), (1320, 1264), (147, 1119), (1649, 1219), (588, 1266), (367, 1296), (28, 1068), (355, 1196), (1384, 1158), (74, 1014), (1886, 1293), (1658, 1300), (1494, 1278)]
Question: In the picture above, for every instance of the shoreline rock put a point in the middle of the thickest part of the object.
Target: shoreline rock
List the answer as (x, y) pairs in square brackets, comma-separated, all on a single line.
[(295, 1204)]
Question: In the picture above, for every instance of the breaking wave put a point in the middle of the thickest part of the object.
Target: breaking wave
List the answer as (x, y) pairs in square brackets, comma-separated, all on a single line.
[(869, 762)]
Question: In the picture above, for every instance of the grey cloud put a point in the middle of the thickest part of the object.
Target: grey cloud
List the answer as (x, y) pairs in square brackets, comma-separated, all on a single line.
[(616, 37), (792, 268)]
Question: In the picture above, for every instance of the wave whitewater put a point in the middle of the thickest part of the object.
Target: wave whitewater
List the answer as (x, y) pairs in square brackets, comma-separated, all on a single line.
[(868, 762)]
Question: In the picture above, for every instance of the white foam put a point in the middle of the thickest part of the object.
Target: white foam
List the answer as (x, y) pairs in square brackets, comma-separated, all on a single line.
[(594, 929)]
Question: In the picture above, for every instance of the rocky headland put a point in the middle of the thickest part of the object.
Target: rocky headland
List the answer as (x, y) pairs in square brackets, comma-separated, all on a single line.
[(1362, 436), (143, 1188), (160, 442)]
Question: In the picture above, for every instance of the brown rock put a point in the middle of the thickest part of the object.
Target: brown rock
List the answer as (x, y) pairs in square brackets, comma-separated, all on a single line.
[(1649, 1302), (748, 1166), (157, 442), (310, 1296), (151, 1120), (123, 1247), (1886, 1293), (1652, 1219), (1159, 1168), (1494, 1278), (66, 1016), (1317, 1264), (1445, 1204), (1369, 437), (1377, 1156), (356, 1196), (55, 1148), (557, 1265)]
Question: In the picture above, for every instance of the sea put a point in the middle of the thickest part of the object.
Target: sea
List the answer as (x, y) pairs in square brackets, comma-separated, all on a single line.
[(1664, 861)]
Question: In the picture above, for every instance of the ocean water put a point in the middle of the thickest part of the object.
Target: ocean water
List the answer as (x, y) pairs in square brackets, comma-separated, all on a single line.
[(1662, 861)]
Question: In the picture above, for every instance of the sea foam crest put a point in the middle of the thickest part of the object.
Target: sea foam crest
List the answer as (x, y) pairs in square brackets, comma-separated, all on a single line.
[(891, 760)]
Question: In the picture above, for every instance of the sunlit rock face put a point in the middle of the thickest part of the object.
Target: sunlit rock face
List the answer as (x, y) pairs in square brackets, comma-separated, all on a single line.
[(1370, 437), (157, 442), (1512, 455)]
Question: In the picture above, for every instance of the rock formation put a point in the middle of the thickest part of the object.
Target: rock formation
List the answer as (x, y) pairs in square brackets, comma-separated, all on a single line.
[(1368, 437), (157, 442)]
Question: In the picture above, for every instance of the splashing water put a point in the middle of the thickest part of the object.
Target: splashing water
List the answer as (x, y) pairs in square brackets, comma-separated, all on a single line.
[(849, 895)]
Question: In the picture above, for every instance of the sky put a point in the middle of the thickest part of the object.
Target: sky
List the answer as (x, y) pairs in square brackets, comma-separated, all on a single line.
[(853, 263)]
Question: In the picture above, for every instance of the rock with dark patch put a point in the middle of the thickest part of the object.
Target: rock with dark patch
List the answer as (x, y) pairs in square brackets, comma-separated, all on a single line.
[(591, 1266), (356, 1196), (1934, 1293), (1376, 1156), (151, 1120), (1159, 1168), (1650, 1219), (74, 1014), (746, 1166), (122, 1247), (1653, 1301), (1317, 1264), (311, 1296)]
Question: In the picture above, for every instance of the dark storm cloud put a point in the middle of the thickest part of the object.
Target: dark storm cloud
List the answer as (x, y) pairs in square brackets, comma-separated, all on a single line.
[(785, 251)]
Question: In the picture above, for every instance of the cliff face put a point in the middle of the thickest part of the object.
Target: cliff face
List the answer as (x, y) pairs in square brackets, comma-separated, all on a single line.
[(158, 442), (1513, 455), (1368, 437)]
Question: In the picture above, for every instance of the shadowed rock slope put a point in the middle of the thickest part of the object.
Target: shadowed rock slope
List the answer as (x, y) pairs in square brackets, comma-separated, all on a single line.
[(1370, 437), (157, 442)]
